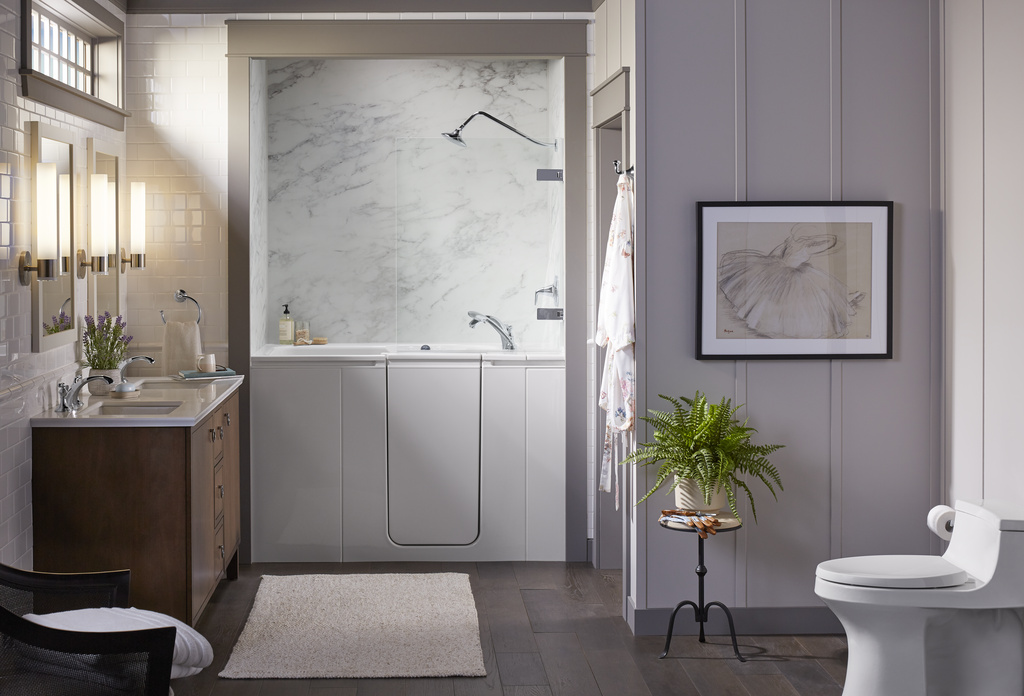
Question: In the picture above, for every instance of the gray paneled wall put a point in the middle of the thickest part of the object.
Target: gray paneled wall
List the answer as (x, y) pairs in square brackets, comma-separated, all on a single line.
[(793, 100)]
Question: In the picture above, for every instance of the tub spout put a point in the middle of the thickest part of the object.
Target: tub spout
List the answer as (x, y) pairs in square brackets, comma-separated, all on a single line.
[(508, 342)]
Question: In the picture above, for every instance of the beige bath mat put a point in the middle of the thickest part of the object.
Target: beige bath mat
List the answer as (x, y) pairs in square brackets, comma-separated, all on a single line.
[(337, 626)]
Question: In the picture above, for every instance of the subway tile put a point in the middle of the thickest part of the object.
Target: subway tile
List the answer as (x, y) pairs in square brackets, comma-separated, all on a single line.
[(187, 20)]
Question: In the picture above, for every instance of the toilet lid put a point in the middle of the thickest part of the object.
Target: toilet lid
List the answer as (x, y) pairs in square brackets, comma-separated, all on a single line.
[(892, 571)]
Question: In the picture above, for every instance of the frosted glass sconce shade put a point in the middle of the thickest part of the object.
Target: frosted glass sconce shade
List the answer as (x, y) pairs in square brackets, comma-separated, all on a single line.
[(47, 239), (64, 221), (98, 221), (46, 210), (137, 242)]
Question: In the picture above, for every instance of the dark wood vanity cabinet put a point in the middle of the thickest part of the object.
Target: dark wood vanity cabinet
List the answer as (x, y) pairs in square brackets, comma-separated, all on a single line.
[(160, 501)]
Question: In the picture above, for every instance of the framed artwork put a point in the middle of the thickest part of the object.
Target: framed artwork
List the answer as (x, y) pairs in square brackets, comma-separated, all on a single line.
[(794, 280)]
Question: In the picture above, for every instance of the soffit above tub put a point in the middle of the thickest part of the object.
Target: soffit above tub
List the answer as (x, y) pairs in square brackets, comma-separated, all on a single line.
[(250, 6)]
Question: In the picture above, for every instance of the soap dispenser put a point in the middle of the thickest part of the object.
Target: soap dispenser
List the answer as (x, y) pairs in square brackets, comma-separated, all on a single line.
[(286, 328)]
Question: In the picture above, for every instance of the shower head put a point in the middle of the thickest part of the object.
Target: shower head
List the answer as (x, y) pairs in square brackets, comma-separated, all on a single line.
[(456, 135)]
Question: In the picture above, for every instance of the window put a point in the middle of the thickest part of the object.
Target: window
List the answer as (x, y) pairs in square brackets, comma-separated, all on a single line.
[(73, 59), (61, 52)]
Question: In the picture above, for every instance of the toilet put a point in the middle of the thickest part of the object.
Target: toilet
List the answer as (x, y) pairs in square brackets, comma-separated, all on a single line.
[(936, 625)]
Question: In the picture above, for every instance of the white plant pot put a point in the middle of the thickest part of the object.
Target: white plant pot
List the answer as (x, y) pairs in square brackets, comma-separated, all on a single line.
[(99, 387), (689, 497)]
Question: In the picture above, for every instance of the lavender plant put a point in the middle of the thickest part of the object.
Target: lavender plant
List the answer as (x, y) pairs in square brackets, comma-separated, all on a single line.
[(104, 342), (61, 322)]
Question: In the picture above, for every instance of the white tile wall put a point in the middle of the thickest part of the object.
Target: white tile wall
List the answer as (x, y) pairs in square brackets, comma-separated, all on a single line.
[(27, 380)]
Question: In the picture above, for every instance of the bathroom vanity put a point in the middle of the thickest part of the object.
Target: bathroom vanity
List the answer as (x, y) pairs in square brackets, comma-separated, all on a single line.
[(150, 484), (367, 453)]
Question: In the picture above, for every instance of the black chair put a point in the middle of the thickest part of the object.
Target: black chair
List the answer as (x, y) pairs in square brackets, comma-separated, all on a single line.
[(41, 661)]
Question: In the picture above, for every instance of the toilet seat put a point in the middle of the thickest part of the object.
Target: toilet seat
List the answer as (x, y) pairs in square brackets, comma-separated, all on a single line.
[(899, 572)]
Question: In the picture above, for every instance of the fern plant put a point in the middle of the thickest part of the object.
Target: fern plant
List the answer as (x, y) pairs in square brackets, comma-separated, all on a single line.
[(704, 442)]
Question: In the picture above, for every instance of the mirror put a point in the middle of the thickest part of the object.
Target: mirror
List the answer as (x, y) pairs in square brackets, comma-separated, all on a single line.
[(54, 320), (104, 289)]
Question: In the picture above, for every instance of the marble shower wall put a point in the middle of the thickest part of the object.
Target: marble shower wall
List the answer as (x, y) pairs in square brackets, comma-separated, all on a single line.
[(382, 231)]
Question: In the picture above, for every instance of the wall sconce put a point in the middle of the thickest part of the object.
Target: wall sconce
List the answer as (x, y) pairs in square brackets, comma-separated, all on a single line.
[(46, 234), (98, 242), (137, 234), (64, 221)]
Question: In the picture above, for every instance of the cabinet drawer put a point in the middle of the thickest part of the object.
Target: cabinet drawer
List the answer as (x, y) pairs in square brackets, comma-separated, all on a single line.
[(218, 495)]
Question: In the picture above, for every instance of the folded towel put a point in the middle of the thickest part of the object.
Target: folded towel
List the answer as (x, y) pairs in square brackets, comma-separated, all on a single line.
[(181, 346), (192, 652), (196, 374)]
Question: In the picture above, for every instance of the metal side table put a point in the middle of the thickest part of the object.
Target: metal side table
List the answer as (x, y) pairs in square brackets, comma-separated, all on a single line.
[(700, 608)]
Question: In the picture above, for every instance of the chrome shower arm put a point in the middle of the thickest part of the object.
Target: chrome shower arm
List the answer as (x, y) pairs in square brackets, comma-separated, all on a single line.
[(456, 133)]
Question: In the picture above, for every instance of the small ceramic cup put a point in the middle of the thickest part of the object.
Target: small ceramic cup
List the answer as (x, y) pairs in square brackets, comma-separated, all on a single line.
[(206, 362)]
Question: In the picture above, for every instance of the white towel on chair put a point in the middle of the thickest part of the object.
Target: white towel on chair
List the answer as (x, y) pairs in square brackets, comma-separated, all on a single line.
[(181, 346), (192, 652)]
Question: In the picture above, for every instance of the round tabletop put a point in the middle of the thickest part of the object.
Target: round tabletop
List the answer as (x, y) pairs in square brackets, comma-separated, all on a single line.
[(728, 524)]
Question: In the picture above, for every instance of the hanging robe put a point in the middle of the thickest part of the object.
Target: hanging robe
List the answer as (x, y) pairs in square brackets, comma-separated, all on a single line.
[(616, 330)]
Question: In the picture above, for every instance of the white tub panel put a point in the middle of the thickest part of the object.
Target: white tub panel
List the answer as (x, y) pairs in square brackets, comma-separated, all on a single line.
[(364, 428), (503, 461), (434, 453), (545, 464), (296, 464)]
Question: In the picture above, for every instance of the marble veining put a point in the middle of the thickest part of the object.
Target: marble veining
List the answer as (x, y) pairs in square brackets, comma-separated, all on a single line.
[(382, 231)]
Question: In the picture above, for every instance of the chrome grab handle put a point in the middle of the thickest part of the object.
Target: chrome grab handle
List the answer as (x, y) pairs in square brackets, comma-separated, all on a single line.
[(221, 547), (227, 418), (220, 431), (213, 435), (221, 488)]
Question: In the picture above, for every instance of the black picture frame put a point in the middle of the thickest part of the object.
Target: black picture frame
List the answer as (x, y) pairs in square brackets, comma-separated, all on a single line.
[(783, 280)]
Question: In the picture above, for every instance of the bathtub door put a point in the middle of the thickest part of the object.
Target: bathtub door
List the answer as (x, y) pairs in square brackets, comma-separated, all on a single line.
[(434, 452)]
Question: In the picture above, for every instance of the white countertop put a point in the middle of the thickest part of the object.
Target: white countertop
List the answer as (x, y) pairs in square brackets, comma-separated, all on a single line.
[(163, 402)]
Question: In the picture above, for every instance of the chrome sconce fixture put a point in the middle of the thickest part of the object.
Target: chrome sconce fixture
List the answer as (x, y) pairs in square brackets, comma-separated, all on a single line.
[(46, 235), (99, 228), (137, 230)]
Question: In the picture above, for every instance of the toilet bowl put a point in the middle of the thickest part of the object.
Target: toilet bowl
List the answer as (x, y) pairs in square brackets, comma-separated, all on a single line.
[(936, 625)]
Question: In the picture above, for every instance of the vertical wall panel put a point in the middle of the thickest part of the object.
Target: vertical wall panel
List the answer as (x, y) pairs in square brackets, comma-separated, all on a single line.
[(1004, 246), (887, 427), (965, 246), (689, 156), (788, 105)]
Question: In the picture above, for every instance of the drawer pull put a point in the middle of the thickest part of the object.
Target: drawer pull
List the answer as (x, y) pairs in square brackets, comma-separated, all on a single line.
[(221, 489), (213, 435), (221, 547), (220, 431), (227, 419)]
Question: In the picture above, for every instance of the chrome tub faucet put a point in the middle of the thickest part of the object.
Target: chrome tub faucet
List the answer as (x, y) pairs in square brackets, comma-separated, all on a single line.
[(508, 342)]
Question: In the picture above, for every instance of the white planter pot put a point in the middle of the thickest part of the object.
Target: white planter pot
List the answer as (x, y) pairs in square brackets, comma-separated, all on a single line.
[(99, 387), (689, 497)]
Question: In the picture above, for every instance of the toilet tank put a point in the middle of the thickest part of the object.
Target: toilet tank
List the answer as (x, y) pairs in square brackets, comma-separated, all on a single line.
[(988, 539)]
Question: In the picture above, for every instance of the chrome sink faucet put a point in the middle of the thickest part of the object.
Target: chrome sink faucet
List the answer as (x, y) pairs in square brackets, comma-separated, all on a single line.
[(129, 361), (508, 342), (67, 397)]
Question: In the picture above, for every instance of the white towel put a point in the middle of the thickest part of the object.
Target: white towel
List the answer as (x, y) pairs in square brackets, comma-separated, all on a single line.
[(192, 652), (181, 346)]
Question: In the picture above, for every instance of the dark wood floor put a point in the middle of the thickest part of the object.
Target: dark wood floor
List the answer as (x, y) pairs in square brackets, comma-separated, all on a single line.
[(547, 629)]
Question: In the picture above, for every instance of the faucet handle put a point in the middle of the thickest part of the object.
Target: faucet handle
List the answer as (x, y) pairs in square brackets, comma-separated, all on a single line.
[(63, 390)]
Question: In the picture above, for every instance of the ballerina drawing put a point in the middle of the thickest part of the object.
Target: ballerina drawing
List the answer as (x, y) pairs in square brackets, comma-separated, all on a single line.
[(782, 294)]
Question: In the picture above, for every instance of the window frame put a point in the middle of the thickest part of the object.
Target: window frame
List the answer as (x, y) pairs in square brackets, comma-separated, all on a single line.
[(106, 32)]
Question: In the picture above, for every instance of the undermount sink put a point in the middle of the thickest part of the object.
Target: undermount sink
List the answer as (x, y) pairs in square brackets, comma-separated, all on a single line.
[(170, 384), (147, 409)]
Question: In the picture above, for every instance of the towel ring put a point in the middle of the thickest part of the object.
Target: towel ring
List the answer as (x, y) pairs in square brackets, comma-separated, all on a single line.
[(181, 296)]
